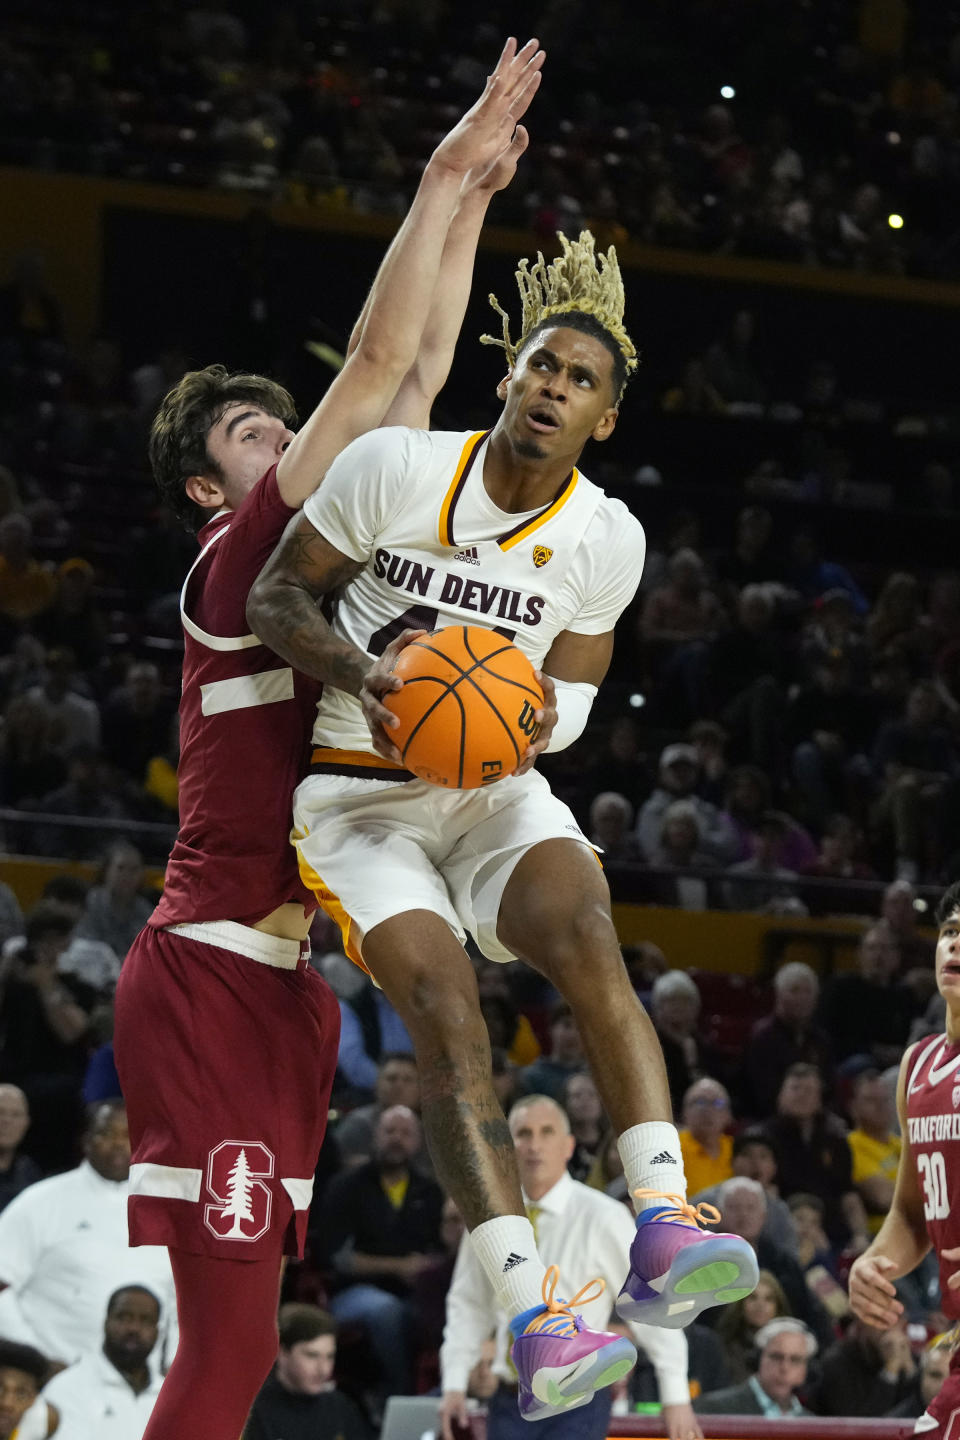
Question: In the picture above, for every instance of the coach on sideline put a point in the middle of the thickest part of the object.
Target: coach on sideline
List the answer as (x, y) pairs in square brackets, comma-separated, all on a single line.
[(585, 1233)]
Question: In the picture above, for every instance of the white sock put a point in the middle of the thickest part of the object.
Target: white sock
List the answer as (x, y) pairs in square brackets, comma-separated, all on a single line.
[(652, 1161), (507, 1250)]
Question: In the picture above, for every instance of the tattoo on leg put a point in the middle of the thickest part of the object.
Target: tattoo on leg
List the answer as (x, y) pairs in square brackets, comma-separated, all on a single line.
[(468, 1136)]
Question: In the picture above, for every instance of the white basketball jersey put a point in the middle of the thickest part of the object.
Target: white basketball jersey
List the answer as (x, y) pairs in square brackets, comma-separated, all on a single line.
[(411, 506)]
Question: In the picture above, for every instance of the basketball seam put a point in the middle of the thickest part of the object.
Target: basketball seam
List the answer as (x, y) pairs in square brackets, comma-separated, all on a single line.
[(448, 690)]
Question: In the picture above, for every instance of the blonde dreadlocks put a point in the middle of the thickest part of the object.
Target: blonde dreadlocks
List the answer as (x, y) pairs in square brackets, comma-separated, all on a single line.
[(573, 282)]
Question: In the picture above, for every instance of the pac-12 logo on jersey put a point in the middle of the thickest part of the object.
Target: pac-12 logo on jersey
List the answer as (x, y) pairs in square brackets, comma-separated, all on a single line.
[(236, 1170), (541, 554), (956, 1096)]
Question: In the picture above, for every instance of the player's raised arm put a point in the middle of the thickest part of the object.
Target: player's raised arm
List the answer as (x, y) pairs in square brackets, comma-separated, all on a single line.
[(428, 374), (399, 303), (902, 1240)]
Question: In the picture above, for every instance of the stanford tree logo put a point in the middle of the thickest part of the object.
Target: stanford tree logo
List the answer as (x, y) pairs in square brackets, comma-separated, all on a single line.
[(236, 1170)]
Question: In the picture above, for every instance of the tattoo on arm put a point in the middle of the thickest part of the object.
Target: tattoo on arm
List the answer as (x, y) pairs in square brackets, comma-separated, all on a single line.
[(283, 609)]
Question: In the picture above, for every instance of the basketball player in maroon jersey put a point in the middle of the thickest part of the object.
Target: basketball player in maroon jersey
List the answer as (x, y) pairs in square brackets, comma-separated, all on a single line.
[(925, 1211), (226, 1042)]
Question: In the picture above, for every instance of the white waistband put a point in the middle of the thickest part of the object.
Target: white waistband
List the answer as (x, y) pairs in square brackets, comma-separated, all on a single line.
[(254, 944)]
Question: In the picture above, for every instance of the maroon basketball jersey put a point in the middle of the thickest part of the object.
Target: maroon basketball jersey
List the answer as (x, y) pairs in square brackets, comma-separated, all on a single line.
[(933, 1123), (245, 723)]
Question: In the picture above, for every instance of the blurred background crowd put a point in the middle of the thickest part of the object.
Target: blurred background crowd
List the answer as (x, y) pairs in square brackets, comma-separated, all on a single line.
[(780, 732)]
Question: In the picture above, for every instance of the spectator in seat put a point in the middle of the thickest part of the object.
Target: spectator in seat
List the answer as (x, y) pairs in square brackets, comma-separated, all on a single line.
[(830, 727), (866, 1011), (64, 1249), (839, 856), (300, 1397), (548, 1075), (914, 759), (588, 1124), (866, 1373), (611, 819), (74, 718), (381, 1223), (738, 1325), (75, 619), (110, 1395), (88, 794), (679, 772), (743, 1205), (762, 883), (509, 1027), (899, 911), (398, 1083), (27, 586), (17, 1171), (932, 1370), (754, 1157), (787, 1036), (685, 608), (136, 720), (705, 1142), (747, 811), (785, 1348), (43, 1036), (115, 911), (31, 764), (873, 1145), (23, 1415), (813, 1156), (675, 1011), (369, 1028)]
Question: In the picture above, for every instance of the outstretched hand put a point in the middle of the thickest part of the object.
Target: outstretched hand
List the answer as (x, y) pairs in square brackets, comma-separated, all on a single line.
[(486, 132)]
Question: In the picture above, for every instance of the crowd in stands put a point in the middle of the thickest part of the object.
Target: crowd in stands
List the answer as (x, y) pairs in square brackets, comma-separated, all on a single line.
[(735, 129)]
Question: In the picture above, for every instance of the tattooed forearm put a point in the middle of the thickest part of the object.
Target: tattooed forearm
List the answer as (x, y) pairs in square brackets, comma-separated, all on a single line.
[(283, 609), (285, 616)]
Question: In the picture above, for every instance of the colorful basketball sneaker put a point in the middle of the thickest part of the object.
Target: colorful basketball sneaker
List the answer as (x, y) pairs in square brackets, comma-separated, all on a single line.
[(560, 1364), (677, 1269)]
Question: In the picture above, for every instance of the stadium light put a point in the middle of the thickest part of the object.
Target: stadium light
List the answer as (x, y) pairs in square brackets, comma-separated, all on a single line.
[(727, 91), (638, 701), (895, 222)]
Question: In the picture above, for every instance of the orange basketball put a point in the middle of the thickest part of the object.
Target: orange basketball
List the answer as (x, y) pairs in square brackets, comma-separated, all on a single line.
[(466, 708)]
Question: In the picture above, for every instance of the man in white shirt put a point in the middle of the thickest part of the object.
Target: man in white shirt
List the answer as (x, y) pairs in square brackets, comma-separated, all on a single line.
[(111, 1395), (64, 1249), (584, 1232)]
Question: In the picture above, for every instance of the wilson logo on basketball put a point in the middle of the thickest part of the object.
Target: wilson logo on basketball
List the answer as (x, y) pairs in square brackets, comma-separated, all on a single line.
[(528, 722), (236, 1170), (541, 554)]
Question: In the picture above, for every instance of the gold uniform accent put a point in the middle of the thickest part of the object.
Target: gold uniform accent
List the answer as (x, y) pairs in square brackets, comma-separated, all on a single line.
[(541, 554)]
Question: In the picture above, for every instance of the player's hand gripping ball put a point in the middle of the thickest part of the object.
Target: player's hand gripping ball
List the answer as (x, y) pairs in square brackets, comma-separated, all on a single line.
[(467, 707)]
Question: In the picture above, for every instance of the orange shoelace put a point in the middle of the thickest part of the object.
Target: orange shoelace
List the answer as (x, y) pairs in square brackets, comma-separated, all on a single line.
[(558, 1317), (696, 1215)]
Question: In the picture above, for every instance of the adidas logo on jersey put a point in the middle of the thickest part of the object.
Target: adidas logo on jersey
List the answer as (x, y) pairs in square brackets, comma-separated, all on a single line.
[(664, 1158), (513, 1260), (468, 556)]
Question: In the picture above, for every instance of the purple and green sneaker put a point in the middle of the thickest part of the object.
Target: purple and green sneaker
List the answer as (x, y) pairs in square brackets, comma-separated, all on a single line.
[(560, 1364), (677, 1269)]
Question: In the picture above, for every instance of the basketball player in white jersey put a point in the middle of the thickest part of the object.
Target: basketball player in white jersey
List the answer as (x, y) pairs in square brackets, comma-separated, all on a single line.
[(925, 1210), (500, 529)]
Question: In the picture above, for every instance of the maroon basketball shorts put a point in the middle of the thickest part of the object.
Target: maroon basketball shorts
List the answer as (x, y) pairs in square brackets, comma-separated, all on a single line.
[(941, 1419), (226, 1045)]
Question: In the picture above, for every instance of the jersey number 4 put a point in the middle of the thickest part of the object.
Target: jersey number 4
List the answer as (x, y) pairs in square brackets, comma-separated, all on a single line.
[(933, 1177), (418, 617)]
